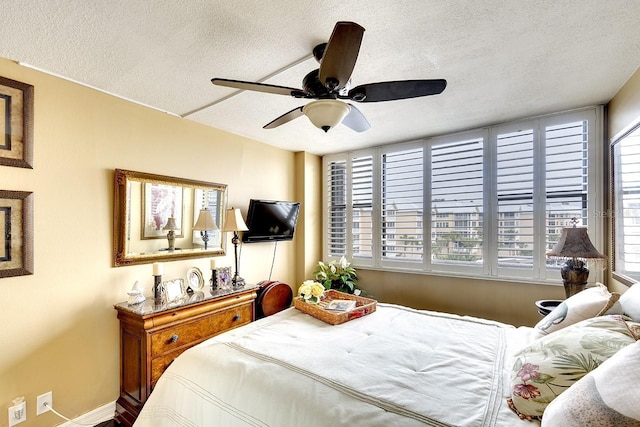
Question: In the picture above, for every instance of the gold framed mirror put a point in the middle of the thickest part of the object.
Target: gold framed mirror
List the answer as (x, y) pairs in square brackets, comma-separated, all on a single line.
[(158, 218)]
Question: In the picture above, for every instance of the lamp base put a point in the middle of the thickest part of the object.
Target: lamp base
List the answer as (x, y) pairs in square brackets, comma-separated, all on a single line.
[(574, 276), (237, 282)]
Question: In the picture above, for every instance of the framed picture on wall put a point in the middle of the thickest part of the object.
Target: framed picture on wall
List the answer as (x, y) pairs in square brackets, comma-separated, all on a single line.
[(16, 119), (16, 229), (161, 210)]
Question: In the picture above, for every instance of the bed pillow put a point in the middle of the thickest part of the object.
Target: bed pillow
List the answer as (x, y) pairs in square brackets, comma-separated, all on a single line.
[(591, 302), (605, 397), (630, 301), (550, 365)]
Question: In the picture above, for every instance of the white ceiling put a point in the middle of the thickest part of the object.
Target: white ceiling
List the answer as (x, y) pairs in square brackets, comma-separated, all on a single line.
[(502, 59)]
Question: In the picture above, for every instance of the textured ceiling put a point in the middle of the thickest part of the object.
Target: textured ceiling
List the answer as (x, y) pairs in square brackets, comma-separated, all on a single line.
[(502, 59)]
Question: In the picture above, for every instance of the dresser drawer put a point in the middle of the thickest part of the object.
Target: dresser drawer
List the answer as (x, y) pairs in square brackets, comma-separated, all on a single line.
[(191, 332), (161, 363)]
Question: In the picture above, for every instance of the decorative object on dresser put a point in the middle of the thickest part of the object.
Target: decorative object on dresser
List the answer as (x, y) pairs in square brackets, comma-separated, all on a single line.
[(153, 334), (157, 280), (235, 223), (195, 280), (16, 229), (135, 294), (204, 224), (574, 246), (171, 227), (173, 291), (16, 119)]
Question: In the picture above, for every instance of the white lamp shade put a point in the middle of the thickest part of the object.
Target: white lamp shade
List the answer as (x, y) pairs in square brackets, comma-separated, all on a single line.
[(205, 221), (326, 113), (234, 221)]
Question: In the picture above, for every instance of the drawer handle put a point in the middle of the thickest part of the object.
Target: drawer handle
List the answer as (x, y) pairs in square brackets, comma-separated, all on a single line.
[(236, 317), (174, 338)]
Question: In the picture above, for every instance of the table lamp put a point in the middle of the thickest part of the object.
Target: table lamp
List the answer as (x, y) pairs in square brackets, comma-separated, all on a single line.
[(171, 235), (234, 222), (574, 246), (204, 224)]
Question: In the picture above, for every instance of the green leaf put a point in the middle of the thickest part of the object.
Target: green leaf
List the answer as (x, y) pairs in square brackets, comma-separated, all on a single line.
[(543, 378)]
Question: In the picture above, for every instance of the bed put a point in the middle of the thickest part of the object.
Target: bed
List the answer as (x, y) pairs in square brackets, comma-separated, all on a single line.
[(394, 367)]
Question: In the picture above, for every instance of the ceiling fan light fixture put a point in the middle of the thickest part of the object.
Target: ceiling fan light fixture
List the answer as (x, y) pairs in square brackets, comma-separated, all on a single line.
[(326, 113)]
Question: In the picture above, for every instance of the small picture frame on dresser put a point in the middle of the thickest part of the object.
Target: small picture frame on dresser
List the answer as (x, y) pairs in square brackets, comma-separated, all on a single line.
[(173, 291), (223, 276)]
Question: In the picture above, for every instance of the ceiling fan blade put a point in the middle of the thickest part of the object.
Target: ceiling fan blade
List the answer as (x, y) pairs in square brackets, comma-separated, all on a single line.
[(390, 91), (286, 117), (340, 54), (259, 87), (356, 120)]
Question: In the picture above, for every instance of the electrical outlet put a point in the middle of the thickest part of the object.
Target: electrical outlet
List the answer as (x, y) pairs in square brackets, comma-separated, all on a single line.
[(42, 399), (17, 413)]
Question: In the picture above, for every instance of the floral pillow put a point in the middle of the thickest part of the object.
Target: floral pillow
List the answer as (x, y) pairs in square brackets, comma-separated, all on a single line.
[(550, 365), (591, 302), (605, 397)]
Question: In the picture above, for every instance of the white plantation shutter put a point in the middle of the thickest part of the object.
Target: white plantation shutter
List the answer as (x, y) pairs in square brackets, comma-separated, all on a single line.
[(565, 179), (457, 202), (402, 204), (362, 207), (336, 185), (485, 203), (626, 158), (515, 214)]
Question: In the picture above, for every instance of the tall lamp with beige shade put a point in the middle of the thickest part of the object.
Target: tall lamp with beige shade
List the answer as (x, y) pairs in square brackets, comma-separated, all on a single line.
[(204, 224), (234, 222)]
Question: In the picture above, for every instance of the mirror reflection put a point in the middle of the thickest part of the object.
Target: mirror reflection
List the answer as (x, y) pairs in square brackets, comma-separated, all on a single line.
[(162, 218)]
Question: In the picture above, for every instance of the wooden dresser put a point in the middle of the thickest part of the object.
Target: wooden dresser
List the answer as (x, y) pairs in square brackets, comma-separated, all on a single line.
[(152, 335)]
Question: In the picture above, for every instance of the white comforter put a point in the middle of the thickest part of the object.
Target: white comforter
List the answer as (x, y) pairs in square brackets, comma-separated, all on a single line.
[(394, 367)]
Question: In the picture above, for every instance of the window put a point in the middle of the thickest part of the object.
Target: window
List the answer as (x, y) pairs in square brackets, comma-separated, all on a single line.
[(492, 202), (625, 155)]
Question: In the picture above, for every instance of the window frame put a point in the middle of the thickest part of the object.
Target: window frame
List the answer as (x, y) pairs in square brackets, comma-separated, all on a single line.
[(489, 269)]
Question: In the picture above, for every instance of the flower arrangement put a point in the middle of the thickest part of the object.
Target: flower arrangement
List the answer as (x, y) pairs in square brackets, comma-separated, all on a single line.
[(311, 291), (338, 275)]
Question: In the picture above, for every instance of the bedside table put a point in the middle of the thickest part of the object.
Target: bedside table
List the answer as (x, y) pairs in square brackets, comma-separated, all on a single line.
[(152, 335)]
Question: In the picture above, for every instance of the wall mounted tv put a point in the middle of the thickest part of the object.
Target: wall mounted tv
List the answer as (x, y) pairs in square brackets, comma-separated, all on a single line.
[(270, 221)]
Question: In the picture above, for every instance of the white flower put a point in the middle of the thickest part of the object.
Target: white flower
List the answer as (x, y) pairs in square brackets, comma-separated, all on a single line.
[(343, 262), (311, 291)]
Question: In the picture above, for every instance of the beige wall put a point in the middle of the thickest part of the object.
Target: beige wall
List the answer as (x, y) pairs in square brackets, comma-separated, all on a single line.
[(624, 110), (59, 329)]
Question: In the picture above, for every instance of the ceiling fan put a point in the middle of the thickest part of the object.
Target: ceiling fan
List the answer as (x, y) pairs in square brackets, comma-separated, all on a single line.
[(329, 84)]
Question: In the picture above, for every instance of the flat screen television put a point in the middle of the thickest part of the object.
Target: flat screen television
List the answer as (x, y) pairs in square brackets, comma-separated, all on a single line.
[(270, 220)]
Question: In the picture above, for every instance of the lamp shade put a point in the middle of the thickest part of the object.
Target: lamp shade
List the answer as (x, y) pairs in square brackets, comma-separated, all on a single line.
[(326, 113), (234, 221), (205, 221), (171, 224), (574, 243)]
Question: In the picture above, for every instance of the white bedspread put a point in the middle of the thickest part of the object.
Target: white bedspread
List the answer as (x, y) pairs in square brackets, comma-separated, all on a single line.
[(394, 367)]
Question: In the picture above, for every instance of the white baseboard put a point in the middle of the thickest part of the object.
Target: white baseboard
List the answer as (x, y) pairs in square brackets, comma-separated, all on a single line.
[(92, 418)]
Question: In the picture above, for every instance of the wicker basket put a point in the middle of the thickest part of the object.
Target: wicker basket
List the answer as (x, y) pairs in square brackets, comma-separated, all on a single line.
[(364, 306)]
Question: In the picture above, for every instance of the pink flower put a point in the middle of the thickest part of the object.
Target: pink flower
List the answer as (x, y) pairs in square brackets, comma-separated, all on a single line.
[(528, 372), (526, 391)]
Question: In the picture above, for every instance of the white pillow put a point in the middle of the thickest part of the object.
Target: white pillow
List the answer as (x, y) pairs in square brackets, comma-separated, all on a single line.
[(608, 396), (591, 302), (630, 301)]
